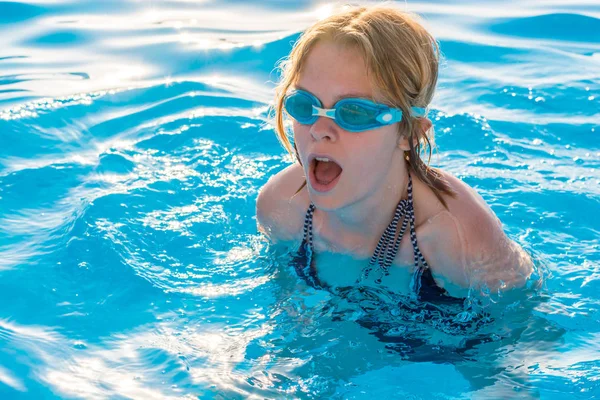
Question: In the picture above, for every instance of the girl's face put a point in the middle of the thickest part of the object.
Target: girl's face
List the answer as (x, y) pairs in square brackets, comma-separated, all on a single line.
[(332, 72)]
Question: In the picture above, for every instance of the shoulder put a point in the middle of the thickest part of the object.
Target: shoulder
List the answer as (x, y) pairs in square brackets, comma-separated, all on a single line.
[(280, 208), (467, 245), (471, 210), (467, 210)]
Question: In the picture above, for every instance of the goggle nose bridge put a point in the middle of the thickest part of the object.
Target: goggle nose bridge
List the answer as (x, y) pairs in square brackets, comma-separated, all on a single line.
[(323, 112)]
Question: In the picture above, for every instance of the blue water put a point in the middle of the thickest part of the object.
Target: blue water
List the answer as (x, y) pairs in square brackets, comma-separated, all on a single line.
[(134, 139)]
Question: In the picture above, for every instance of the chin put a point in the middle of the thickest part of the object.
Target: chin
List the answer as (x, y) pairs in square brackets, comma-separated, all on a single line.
[(325, 204), (329, 201)]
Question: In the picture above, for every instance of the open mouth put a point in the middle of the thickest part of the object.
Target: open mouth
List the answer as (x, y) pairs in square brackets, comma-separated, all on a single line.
[(324, 174)]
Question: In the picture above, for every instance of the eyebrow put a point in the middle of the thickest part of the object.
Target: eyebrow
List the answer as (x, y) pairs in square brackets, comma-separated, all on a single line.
[(341, 96)]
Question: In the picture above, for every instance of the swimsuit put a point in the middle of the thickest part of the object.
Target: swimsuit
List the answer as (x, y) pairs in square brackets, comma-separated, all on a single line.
[(422, 284), (434, 307)]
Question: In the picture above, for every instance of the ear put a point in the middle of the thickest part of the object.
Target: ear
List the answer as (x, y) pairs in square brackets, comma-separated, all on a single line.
[(420, 126)]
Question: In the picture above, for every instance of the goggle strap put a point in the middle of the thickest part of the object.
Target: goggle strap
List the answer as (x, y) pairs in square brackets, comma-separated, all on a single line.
[(418, 111), (389, 117), (395, 115)]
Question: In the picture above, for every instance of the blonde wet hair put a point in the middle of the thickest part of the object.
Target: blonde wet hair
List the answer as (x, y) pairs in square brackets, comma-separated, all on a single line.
[(403, 60)]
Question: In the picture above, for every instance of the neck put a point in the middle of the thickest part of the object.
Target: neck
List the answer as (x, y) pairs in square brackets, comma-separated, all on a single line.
[(363, 222)]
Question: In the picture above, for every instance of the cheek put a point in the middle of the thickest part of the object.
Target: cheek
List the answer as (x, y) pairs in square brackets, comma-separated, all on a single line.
[(376, 143), (300, 132), (373, 152), (301, 138), (364, 153)]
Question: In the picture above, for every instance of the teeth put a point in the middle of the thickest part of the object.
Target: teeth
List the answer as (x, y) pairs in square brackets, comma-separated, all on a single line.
[(322, 159)]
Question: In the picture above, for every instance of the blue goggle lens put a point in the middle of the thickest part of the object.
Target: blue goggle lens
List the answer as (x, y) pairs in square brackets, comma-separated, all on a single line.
[(300, 107), (353, 114)]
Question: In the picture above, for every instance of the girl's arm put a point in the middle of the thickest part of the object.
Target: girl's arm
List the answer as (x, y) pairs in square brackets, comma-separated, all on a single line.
[(466, 246), (278, 211)]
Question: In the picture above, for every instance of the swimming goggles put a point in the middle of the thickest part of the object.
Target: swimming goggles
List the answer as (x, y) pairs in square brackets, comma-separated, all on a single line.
[(351, 114)]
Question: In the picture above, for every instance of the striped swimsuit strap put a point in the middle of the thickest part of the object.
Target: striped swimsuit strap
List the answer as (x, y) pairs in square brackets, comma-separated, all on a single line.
[(388, 245)]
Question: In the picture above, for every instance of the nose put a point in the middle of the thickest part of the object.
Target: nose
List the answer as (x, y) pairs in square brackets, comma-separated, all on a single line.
[(324, 129)]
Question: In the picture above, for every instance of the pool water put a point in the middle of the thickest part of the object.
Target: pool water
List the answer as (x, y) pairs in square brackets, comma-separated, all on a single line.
[(134, 139)]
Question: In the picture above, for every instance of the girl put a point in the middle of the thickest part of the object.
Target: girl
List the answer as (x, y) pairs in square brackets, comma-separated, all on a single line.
[(360, 204)]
